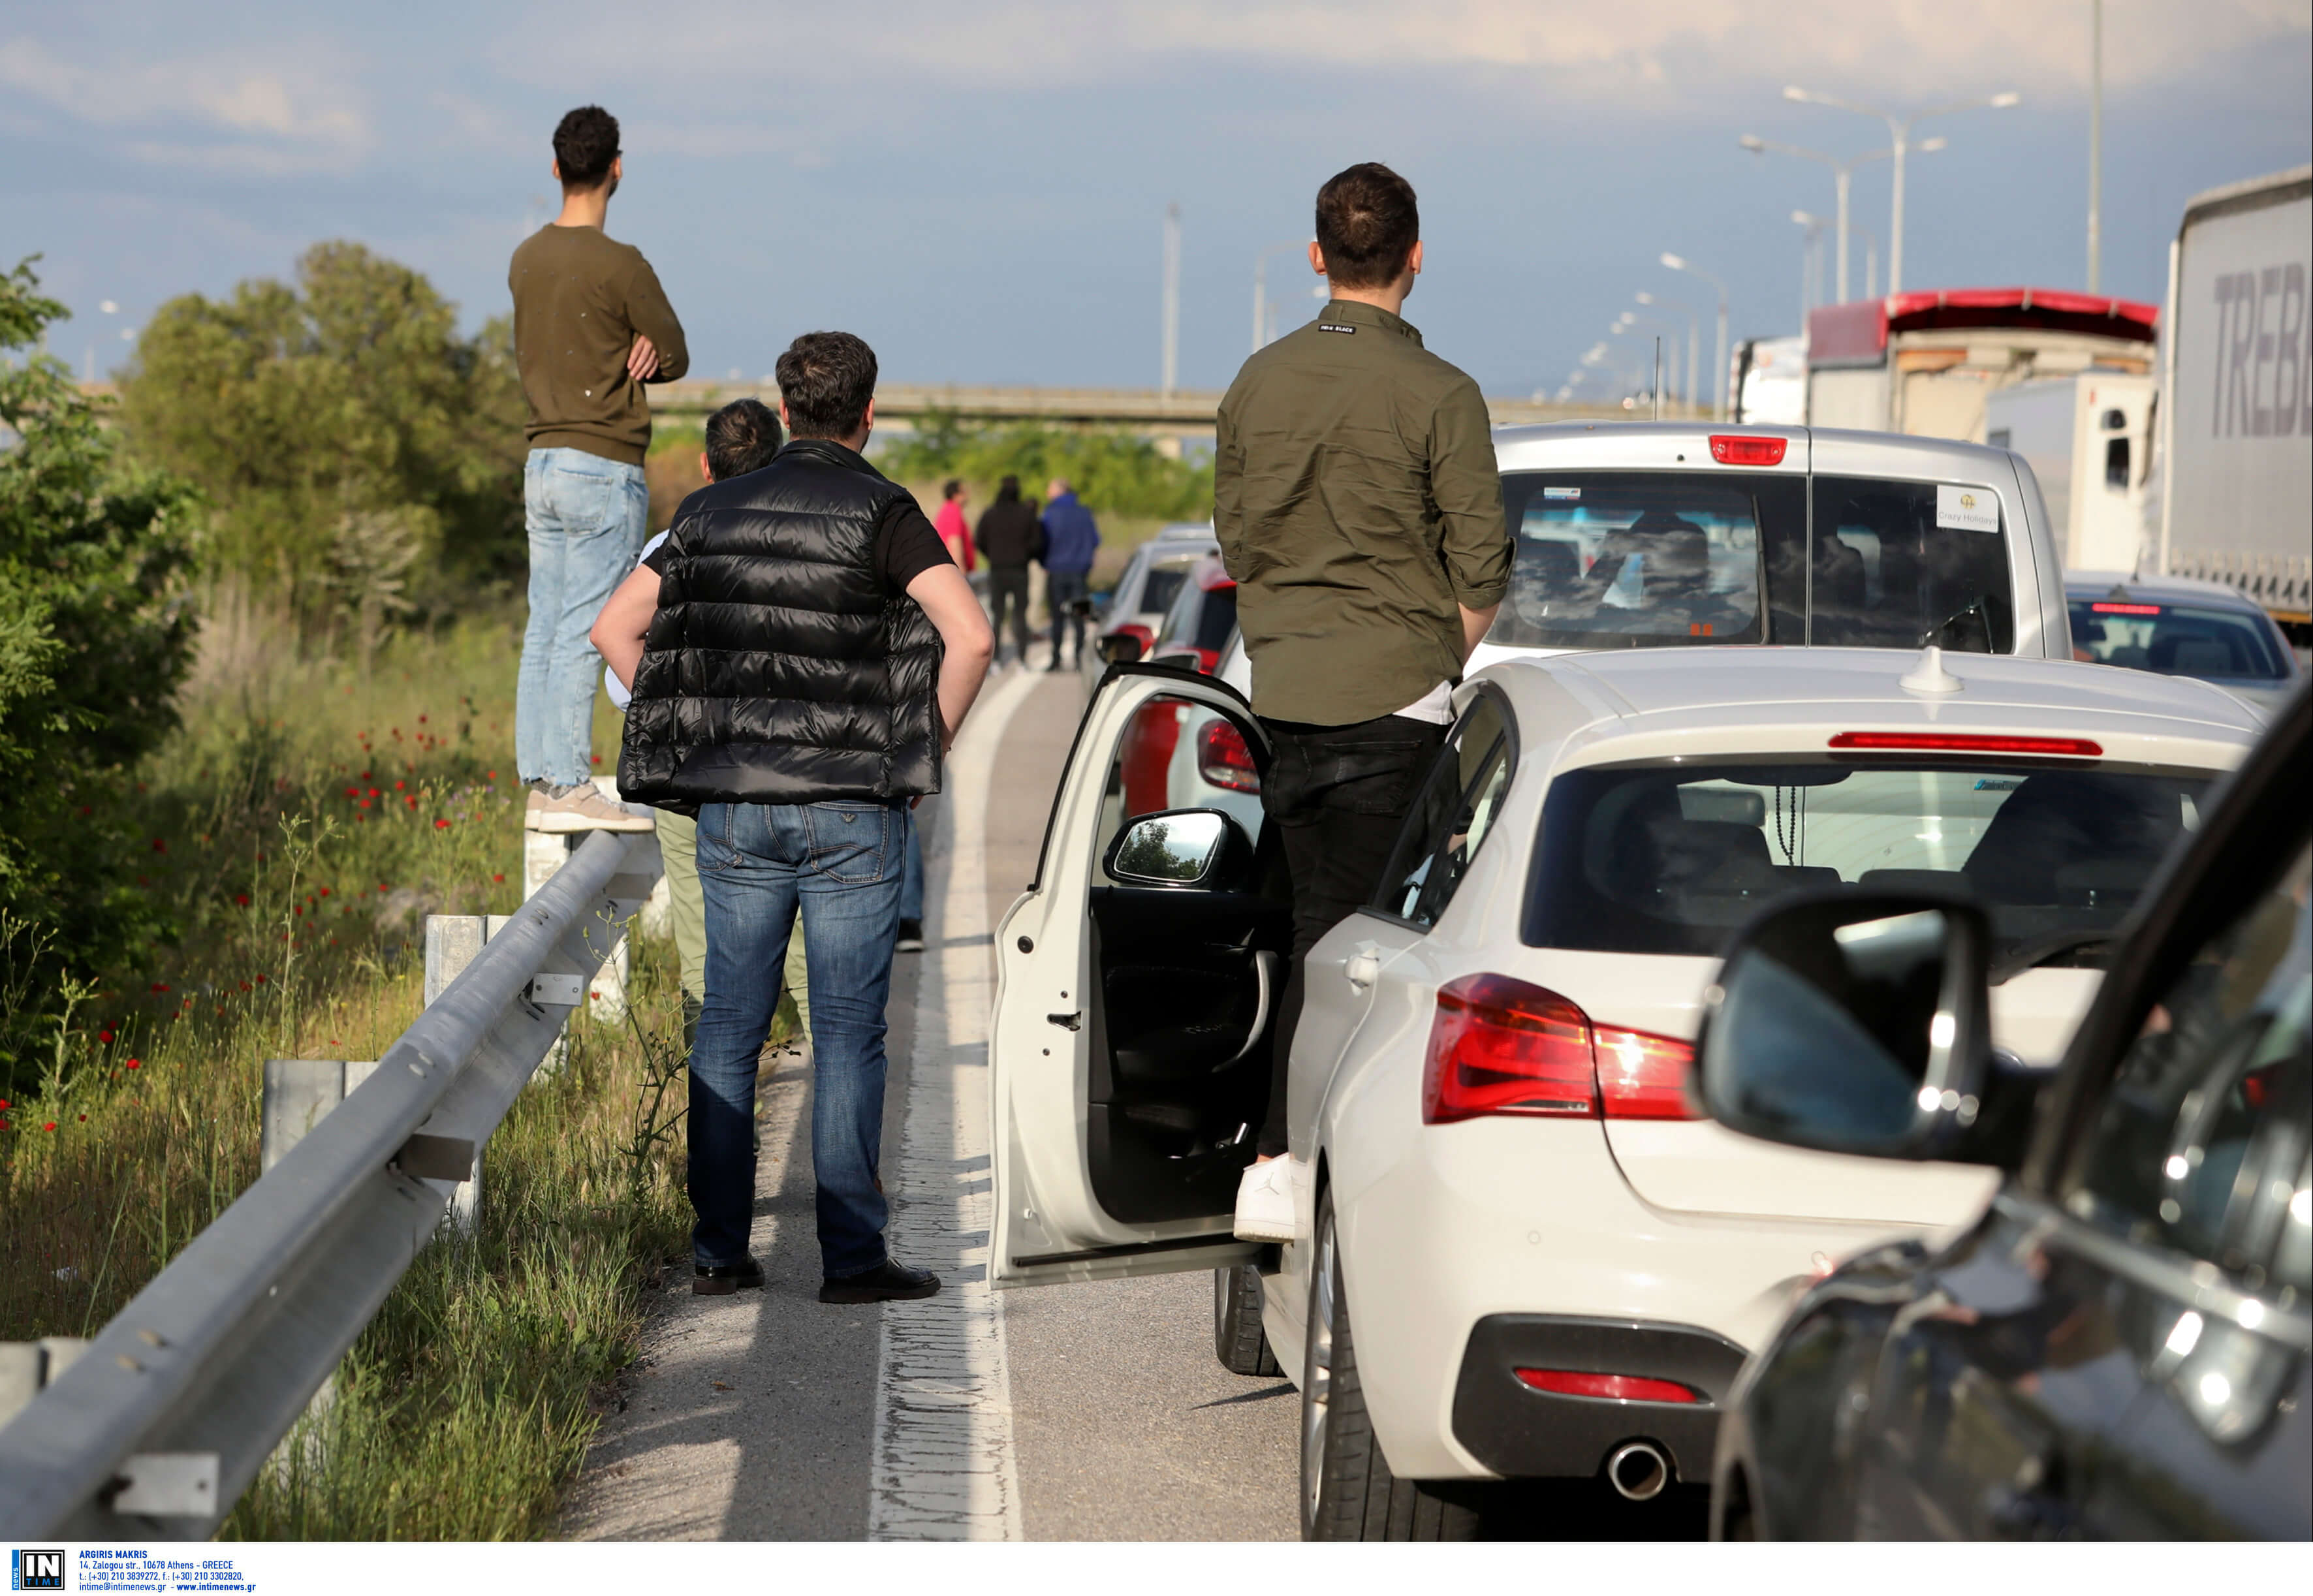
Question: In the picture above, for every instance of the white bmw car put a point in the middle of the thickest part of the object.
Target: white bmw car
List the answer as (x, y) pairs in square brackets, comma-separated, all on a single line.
[(1522, 1254)]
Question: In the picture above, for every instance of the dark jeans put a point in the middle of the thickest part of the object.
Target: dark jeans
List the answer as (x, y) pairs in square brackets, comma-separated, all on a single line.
[(1007, 586), (841, 863), (1338, 795), (1062, 590)]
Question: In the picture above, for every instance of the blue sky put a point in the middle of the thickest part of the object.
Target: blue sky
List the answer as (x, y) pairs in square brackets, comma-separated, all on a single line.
[(978, 188)]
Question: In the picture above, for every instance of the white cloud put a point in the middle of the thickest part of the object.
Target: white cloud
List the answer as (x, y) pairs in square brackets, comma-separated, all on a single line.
[(1911, 50), (279, 110)]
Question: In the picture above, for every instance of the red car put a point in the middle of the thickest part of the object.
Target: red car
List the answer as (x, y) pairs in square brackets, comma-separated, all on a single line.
[(1195, 634)]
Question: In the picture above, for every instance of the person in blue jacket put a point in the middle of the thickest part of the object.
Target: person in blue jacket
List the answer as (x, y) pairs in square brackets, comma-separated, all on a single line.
[(1071, 538)]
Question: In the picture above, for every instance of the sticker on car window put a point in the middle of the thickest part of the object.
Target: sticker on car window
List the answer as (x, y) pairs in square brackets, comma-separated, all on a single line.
[(1966, 509), (1562, 493)]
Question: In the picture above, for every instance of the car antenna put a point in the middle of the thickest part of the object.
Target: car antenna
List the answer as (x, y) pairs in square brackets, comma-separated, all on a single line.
[(1657, 383), (1929, 676)]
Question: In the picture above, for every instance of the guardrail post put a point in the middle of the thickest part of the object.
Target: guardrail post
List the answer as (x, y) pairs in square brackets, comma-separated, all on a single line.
[(26, 1366), (452, 941)]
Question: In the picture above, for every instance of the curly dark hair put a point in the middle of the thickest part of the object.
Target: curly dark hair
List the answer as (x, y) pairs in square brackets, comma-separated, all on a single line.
[(585, 142), (827, 379)]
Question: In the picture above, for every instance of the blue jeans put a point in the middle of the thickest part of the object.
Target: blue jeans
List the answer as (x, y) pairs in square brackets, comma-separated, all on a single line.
[(911, 880), (585, 516), (839, 863)]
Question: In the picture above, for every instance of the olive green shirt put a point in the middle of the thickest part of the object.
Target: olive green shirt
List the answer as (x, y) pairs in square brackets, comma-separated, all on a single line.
[(1357, 505), (579, 299)]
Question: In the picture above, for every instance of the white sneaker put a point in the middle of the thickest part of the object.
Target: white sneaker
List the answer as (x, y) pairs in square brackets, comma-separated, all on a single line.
[(1264, 1202), (582, 809)]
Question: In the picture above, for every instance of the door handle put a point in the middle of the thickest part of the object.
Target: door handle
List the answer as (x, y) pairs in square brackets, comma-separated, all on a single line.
[(1066, 1021), (1363, 970), (1264, 975)]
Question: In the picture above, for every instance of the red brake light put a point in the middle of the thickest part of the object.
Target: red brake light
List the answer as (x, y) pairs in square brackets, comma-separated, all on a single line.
[(1626, 1388), (1747, 452), (1965, 742), (1645, 1077), (1499, 1046), (1223, 760), (2125, 609)]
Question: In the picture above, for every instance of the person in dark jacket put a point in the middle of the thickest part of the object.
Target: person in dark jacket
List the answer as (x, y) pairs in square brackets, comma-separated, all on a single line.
[(1071, 538), (1010, 538), (801, 651)]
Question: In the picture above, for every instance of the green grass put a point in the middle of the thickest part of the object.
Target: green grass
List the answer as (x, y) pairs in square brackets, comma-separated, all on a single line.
[(298, 830)]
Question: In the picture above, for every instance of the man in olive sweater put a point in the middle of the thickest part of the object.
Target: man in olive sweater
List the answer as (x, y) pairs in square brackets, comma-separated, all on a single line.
[(591, 326)]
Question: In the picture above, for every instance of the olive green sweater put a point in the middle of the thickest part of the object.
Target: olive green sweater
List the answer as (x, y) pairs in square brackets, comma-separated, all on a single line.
[(579, 299)]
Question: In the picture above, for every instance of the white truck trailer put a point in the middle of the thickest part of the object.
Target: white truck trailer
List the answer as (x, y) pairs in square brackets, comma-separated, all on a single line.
[(2088, 438), (2236, 437)]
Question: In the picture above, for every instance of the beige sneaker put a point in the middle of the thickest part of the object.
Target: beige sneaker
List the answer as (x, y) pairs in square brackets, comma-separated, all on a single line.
[(582, 809)]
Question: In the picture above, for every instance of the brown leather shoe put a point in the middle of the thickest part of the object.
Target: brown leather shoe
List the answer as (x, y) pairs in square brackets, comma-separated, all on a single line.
[(887, 1282)]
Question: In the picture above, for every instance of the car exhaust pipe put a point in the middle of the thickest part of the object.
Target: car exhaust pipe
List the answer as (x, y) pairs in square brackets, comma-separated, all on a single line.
[(1638, 1471)]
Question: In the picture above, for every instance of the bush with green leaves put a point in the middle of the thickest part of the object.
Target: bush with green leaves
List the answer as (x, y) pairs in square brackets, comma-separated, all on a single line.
[(95, 637), (360, 455), (1112, 470)]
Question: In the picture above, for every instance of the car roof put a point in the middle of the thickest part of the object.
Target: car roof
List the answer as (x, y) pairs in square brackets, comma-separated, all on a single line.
[(1685, 445), (1762, 699), (1211, 575), (2098, 585), (1185, 529)]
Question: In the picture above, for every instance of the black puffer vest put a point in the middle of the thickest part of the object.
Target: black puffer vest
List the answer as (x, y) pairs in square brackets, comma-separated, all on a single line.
[(777, 670)]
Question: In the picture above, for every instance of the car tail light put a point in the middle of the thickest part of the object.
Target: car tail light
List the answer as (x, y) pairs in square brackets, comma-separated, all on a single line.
[(2125, 609), (1644, 1077), (1499, 1046), (1730, 450), (1964, 743), (1625, 1388), (1223, 760)]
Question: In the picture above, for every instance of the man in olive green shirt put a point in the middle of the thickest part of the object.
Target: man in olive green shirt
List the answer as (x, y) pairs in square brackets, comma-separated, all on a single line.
[(1357, 505), (591, 326)]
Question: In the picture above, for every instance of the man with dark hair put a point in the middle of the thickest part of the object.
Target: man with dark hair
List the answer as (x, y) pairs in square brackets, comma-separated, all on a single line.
[(1010, 537), (591, 326), (742, 436), (1357, 503), (801, 651), (1071, 539)]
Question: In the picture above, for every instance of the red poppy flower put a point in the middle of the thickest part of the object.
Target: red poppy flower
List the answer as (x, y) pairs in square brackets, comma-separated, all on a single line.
[(101, 1036), (134, 1063), (499, 877), (3, 1105), (367, 777), (489, 776), (441, 825), (51, 1125), (261, 980), (596, 758), (325, 891), (159, 846), (160, 985), (241, 898), (421, 720)]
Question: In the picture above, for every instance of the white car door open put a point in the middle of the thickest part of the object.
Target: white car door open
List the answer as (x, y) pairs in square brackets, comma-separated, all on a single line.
[(1137, 980)]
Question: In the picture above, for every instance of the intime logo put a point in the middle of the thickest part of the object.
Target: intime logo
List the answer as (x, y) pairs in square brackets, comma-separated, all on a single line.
[(36, 1570)]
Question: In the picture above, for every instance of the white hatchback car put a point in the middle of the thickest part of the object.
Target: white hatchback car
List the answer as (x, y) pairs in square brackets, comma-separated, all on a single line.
[(1553, 1266)]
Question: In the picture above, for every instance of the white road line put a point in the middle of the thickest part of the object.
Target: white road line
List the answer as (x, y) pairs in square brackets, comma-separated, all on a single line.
[(944, 1467)]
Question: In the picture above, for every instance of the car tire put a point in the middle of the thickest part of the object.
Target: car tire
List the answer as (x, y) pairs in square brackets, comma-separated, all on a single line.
[(1238, 1340), (1347, 1492)]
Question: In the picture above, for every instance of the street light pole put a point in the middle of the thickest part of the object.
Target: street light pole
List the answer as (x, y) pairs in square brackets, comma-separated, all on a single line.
[(1679, 263), (2096, 139), (1169, 362), (1810, 257), (1693, 338), (1842, 171), (1899, 137)]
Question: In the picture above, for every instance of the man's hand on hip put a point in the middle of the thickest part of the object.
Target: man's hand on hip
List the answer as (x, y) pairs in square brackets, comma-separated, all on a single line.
[(642, 360)]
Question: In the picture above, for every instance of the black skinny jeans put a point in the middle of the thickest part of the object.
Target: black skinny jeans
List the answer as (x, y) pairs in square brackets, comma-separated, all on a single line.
[(1008, 588), (1338, 795)]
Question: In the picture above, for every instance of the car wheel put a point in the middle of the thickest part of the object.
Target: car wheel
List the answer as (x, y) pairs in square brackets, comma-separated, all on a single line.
[(1238, 1340), (1347, 1492)]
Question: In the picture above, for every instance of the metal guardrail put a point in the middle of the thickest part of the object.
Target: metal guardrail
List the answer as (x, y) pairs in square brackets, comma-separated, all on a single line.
[(155, 1429)]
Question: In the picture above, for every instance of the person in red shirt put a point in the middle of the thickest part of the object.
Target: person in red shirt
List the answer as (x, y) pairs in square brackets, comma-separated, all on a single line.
[(950, 524)]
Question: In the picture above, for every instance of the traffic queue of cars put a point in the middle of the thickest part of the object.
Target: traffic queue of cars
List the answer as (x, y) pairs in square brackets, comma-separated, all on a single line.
[(1536, 1242)]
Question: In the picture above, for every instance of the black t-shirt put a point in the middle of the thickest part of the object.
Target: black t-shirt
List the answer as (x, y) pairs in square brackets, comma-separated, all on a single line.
[(906, 547)]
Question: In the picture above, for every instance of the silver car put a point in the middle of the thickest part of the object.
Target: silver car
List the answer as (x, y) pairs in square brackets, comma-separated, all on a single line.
[(1652, 534), (1135, 612), (2178, 626)]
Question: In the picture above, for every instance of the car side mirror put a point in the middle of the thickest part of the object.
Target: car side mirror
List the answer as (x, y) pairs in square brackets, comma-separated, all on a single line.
[(1861, 1023), (1123, 647), (1179, 847)]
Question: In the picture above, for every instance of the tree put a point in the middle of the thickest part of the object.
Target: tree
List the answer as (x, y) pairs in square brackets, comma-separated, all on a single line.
[(1112, 470), (308, 413), (95, 637)]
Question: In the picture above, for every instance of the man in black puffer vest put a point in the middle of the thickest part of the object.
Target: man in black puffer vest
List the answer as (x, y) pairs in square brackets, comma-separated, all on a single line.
[(801, 651)]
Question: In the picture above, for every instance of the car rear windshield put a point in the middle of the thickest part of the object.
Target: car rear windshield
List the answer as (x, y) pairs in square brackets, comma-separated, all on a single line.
[(1663, 858), (1202, 618), (1160, 587), (2176, 640), (1636, 559)]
